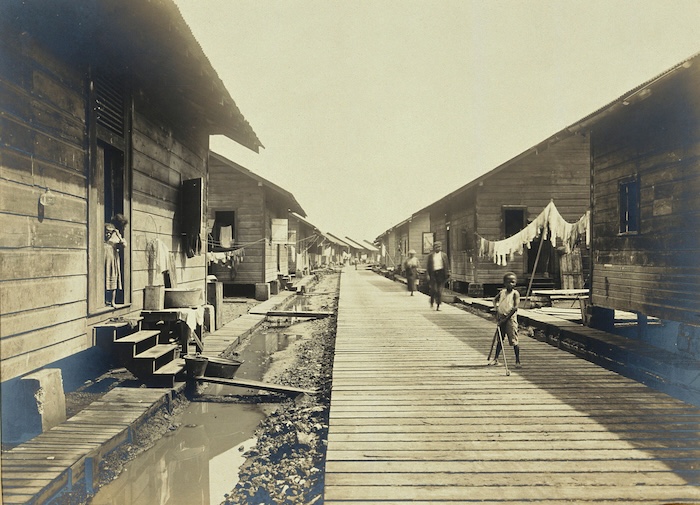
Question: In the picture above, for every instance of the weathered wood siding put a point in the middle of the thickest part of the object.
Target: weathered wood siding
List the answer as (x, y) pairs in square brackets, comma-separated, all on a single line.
[(560, 173), (656, 271), (161, 162), (231, 190), (402, 233), (43, 280), (43, 145), (419, 224), (438, 224), (392, 243), (462, 226), (275, 254)]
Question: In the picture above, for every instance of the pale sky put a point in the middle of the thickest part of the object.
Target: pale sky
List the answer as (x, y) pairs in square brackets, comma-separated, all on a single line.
[(371, 110)]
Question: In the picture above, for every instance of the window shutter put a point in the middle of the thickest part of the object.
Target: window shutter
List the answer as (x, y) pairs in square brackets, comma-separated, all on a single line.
[(109, 106)]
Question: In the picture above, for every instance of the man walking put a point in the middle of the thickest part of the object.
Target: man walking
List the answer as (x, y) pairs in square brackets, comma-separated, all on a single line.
[(438, 274)]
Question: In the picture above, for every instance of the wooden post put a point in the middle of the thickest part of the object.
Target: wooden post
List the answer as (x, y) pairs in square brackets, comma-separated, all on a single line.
[(534, 268)]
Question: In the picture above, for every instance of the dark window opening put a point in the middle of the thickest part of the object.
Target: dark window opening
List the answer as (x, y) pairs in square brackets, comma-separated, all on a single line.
[(114, 182), (224, 231), (513, 221), (629, 206)]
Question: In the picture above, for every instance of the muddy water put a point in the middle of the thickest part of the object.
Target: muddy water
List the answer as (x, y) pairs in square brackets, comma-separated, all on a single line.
[(198, 462)]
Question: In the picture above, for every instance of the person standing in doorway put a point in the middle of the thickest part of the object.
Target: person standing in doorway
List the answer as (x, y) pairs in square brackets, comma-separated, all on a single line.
[(411, 266), (506, 303), (114, 241), (438, 274)]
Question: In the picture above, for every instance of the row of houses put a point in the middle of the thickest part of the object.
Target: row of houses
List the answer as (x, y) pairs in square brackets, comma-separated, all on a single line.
[(106, 110), (629, 170)]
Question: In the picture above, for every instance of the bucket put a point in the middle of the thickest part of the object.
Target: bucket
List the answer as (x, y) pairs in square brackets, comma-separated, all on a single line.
[(182, 297), (195, 365)]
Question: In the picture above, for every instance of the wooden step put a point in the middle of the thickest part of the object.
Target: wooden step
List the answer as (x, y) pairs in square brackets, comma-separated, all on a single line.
[(168, 374), (144, 364), (139, 341), (106, 333), (172, 368)]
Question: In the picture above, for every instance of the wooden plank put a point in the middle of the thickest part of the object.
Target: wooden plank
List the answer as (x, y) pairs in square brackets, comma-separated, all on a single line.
[(417, 417), (265, 386), (296, 313)]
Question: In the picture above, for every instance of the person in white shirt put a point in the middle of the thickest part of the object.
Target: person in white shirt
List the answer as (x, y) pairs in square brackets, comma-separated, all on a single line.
[(438, 270)]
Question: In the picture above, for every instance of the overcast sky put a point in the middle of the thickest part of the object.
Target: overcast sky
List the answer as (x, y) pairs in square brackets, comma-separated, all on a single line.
[(372, 110)]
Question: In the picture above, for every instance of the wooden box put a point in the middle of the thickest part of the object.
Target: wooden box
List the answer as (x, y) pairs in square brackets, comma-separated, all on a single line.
[(153, 298)]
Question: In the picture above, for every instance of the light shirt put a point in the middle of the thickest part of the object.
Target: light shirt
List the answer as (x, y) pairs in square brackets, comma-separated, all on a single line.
[(437, 261)]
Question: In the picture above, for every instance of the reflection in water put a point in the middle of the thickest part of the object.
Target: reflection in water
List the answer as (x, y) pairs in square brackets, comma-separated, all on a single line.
[(197, 464)]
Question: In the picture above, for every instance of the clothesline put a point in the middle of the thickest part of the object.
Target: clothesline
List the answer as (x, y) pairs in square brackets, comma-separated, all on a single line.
[(549, 224)]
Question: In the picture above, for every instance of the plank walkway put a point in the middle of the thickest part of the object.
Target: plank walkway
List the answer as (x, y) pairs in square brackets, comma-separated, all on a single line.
[(416, 416), (69, 454)]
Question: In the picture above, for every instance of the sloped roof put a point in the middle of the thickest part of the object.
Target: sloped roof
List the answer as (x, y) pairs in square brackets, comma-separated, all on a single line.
[(579, 126), (306, 222), (355, 243), (292, 203), (146, 43), (371, 247), (337, 240)]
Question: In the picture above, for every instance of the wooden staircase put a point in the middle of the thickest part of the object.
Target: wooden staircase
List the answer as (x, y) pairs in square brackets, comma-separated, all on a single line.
[(148, 354)]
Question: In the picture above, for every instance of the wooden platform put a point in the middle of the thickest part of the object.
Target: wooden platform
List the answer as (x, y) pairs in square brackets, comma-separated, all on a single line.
[(417, 416)]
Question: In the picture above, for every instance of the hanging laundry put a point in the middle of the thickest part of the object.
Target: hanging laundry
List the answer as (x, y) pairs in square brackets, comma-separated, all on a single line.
[(226, 236), (159, 261), (549, 224)]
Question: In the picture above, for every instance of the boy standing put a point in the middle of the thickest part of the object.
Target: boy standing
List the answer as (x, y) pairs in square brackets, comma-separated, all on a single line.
[(506, 303)]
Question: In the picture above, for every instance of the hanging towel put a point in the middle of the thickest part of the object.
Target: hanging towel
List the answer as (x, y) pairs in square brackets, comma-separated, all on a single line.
[(226, 236)]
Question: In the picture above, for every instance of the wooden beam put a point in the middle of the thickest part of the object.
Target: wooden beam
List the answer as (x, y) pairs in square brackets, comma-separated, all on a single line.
[(246, 383)]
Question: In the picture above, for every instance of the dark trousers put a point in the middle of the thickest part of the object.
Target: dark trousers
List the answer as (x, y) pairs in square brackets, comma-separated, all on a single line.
[(437, 283)]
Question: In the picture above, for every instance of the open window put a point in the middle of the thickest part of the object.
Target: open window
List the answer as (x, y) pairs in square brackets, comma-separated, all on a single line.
[(109, 199), (223, 233)]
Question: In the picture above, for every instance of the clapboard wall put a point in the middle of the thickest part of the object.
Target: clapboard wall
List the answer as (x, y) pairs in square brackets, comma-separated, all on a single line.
[(43, 279), (44, 276), (233, 190), (559, 172), (419, 223), (276, 260), (162, 159), (655, 141)]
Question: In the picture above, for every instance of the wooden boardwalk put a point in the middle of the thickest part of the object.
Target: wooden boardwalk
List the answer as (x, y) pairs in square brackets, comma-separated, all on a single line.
[(417, 416)]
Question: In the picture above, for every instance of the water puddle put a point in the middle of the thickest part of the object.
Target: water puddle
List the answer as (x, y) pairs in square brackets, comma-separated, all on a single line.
[(198, 462)]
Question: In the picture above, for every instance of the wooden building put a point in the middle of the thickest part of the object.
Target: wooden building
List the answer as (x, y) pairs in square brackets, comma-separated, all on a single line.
[(645, 203), (504, 201), (498, 205), (106, 107), (393, 244), (373, 253), (303, 254), (341, 251), (248, 220)]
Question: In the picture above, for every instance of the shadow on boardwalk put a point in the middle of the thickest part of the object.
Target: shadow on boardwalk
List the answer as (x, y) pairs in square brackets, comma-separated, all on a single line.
[(417, 415)]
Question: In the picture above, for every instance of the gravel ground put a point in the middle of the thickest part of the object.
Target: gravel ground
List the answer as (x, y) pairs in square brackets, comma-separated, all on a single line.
[(287, 464)]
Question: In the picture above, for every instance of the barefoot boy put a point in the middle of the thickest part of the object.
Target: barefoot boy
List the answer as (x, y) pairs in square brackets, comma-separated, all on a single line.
[(506, 303)]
